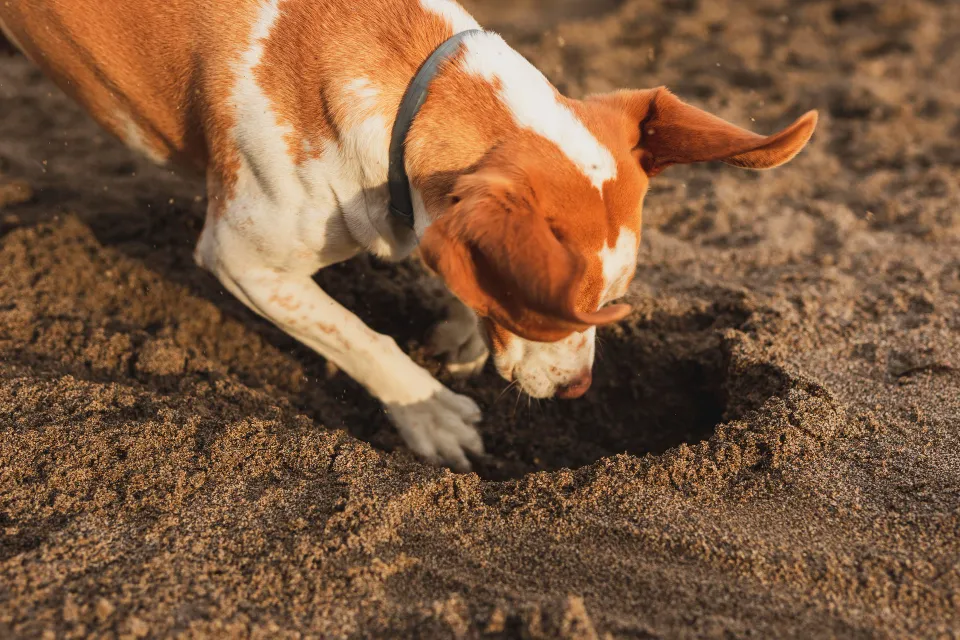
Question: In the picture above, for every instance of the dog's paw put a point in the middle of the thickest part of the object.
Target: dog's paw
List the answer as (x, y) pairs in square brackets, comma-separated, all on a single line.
[(458, 341), (440, 429)]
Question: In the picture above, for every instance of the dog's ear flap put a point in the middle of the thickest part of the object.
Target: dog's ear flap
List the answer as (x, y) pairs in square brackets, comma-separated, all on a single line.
[(673, 132), (497, 253)]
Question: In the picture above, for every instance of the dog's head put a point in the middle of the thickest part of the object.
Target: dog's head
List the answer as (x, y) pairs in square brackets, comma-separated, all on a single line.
[(540, 248)]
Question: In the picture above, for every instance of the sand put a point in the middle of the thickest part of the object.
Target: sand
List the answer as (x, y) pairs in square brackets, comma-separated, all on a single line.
[(771, 447)]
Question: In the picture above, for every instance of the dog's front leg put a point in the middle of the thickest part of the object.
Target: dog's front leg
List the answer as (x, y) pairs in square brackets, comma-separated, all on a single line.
[(435, 422)]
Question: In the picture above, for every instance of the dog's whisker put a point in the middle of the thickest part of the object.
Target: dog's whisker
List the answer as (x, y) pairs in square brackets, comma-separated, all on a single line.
[(516, 404), (505, 390), (601, 343)]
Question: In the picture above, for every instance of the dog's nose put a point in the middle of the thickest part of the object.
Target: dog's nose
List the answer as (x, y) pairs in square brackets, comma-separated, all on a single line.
[(576, 387)]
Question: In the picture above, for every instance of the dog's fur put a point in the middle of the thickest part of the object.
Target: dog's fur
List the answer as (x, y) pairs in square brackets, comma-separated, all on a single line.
[(527, 204)]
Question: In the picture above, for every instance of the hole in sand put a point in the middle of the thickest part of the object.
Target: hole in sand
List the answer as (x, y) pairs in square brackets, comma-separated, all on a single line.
[(657, 384)]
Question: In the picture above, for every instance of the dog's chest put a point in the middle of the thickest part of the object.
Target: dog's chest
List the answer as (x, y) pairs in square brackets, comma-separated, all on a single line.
[(321, 189), (328, 206)]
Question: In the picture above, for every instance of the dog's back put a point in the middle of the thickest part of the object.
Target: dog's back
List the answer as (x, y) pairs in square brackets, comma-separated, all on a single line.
[(161, 74), (125, 62)]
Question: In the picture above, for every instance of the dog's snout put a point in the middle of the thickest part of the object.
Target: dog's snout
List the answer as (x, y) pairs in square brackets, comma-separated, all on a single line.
[(576, 387)]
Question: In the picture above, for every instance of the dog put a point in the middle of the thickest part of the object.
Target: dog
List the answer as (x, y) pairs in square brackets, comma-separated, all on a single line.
[(527, 204)]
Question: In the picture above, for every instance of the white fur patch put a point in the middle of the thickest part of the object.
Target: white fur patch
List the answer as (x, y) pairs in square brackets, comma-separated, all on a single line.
[(260, 137), (534, 103), (619, 262), (133, 137), (363, 89), (454, 14), (421, 217), (367, 135)]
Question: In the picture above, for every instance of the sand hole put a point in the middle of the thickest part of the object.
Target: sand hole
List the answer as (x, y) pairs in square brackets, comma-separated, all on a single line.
[(657, 384)]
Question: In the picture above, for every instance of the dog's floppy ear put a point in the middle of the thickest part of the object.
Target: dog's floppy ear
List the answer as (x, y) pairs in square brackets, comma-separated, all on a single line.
[(673, 132), (498, 254)]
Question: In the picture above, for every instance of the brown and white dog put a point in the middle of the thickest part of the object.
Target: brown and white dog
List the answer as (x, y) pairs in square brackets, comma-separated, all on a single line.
[(526, 203)]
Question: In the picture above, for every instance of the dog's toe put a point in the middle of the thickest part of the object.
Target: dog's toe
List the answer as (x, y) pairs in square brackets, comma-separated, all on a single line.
[(441, 429)]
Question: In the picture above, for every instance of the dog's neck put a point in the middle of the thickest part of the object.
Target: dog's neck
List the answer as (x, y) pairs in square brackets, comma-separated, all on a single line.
[(448, 137), (485, 94), (398, 183)]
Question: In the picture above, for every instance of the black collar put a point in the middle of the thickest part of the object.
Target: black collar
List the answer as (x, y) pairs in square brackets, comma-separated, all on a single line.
[(401, 202)]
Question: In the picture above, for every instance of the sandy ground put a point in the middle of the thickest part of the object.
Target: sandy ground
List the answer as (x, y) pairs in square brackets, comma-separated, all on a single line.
[(771, 448)]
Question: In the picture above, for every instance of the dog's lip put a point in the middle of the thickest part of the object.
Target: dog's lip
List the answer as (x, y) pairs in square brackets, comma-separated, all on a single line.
[(506, 370)]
